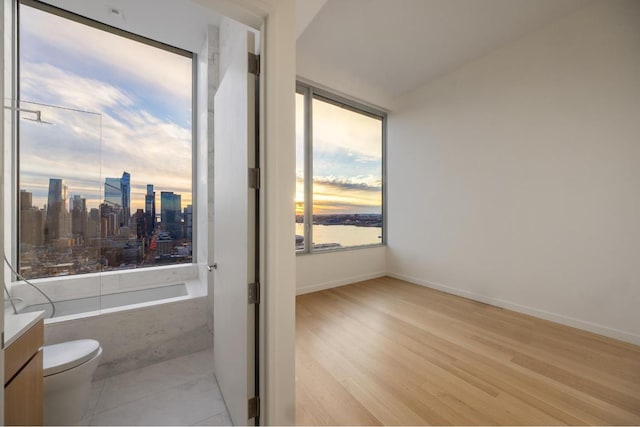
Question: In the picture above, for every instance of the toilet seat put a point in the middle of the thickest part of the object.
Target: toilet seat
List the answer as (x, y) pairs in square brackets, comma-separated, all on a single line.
[(67, 355)]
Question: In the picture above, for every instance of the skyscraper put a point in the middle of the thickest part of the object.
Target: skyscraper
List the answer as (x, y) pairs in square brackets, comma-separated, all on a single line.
[(113, 192), (94, 223), (117, 194), (31, 221), (171, 213), (125, 189), (150, 209), (26, 200), (56, 220), (188, 222), (79, 216)]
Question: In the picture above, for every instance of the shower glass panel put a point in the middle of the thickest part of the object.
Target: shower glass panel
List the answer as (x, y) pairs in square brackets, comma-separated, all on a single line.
[(63, 226)]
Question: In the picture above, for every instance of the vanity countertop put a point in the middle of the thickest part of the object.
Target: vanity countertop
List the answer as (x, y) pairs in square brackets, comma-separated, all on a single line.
[(17, 324)]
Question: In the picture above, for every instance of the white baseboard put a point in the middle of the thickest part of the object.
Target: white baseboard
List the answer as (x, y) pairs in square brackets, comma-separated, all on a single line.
[(553, 317), (336, 283)]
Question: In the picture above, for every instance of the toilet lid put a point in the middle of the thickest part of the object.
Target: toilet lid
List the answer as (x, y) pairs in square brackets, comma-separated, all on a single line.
[(67, 355)]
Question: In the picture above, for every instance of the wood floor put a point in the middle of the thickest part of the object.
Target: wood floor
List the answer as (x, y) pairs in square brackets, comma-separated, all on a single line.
[(388, 352)]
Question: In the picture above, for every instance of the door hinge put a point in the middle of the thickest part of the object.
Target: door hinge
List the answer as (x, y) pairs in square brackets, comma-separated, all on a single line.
[(254, 64), (254, 178), (254, 293), (254, 407)]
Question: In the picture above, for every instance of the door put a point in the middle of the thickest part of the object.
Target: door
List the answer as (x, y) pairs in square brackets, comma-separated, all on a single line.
[(234, 228)]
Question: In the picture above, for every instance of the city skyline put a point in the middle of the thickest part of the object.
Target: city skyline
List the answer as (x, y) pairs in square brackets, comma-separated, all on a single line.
[(118, 104), (70, 195), (66, 237)]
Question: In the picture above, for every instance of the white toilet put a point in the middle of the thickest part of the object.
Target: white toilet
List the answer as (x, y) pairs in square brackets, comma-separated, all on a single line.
[(68, 369)]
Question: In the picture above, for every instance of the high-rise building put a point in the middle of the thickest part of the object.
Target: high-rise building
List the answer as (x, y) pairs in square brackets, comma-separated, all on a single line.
[(150, 209), (140, 221), (31, 221), (26, 200), (57, 221), (94, 223), (171, 213), (113, 192), (188, 222), (125, 189), (117, 194), (110, 221), (79, 216)]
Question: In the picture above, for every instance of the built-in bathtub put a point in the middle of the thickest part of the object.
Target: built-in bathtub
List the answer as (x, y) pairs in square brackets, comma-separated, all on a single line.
[(122, 300), (137, 322)]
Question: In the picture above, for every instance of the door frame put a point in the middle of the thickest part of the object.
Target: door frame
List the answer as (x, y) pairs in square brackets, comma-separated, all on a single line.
[(276, 21)]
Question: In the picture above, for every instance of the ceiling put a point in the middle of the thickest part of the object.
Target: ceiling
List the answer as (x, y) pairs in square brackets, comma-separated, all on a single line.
[(378, 50), (179, 23)]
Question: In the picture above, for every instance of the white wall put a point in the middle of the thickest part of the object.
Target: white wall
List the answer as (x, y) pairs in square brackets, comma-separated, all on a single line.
[(278, 224), (318, 271), (515, 179), (2, 278)]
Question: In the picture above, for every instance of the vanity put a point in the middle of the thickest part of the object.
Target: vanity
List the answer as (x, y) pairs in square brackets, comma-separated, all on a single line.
[(24, 335)]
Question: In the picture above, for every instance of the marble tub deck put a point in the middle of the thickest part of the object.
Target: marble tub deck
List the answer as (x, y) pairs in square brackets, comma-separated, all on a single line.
[(180, 391)]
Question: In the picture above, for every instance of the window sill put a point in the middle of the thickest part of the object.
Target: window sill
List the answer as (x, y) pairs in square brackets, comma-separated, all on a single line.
[(347, 249)]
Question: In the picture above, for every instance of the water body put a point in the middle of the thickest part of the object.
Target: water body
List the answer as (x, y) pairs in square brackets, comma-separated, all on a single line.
[(346, 235)]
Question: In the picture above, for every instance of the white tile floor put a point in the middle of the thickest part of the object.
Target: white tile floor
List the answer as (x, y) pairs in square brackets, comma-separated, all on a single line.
[(181, 391)]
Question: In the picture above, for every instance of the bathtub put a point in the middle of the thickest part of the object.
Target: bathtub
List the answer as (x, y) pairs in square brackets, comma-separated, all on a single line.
[(137, 321), (68, 309)]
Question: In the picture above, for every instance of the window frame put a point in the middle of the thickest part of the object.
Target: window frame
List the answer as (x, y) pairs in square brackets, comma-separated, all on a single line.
[(310, 92), (190, 267)]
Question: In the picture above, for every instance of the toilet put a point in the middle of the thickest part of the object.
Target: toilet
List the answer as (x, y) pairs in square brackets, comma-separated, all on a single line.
[(68, 370)]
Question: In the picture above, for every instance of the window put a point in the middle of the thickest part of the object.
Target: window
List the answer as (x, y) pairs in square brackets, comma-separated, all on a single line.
[(104, 148), (339, 172)]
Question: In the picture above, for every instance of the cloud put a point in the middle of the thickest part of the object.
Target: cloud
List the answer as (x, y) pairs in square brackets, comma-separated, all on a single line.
[(146, 65), (49, 84), (85, 148), (361, 183), (338, 130), (336, 195)]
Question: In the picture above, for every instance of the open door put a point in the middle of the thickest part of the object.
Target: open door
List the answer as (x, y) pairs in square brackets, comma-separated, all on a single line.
[(235, 231)]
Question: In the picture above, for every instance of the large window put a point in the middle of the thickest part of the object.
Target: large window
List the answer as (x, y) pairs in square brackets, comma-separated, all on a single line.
[(339, 172), (104, 147)]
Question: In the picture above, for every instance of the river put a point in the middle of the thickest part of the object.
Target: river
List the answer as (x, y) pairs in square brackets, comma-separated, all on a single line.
[(346, 235)]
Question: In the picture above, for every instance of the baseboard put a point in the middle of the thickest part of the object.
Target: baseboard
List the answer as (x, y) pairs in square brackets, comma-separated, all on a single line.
[(336, 283), (553, 317)]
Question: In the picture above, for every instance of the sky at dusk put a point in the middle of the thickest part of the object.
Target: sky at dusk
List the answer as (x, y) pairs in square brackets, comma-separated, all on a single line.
[(347, 160), (126, 106)]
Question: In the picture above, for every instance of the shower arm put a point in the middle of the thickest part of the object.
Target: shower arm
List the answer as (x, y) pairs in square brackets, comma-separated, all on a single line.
[(38, 113)]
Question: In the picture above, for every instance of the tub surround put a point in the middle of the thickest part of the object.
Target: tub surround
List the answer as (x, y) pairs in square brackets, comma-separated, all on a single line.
[(110, 282), (133, 335), (132, 339)]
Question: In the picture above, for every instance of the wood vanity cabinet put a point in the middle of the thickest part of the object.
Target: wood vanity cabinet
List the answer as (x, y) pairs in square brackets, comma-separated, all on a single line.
[(23, 378)]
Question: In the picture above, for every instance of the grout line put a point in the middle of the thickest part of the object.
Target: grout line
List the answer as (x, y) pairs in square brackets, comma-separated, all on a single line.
[(92, 411)]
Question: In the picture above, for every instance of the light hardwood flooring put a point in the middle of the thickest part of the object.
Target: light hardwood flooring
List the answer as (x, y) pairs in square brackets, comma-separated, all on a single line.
[(389, 352)]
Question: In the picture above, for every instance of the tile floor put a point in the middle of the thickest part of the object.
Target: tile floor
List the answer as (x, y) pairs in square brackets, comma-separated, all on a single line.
[(181, 391)]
